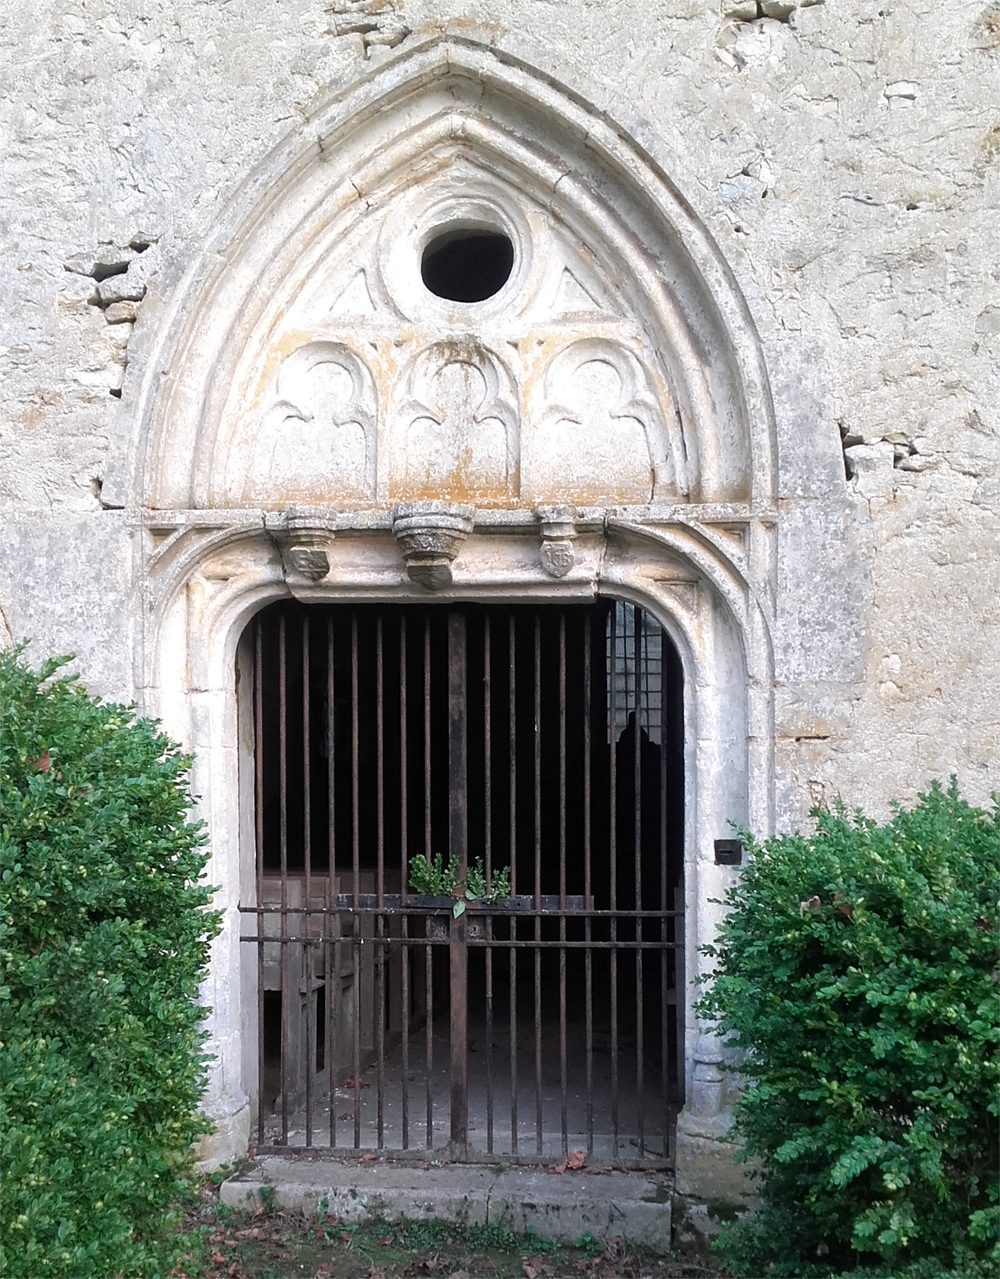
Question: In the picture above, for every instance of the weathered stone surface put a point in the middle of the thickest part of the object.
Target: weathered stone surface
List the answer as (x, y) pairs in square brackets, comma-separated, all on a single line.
[(634, 1206), (840, 171), (64, 587)]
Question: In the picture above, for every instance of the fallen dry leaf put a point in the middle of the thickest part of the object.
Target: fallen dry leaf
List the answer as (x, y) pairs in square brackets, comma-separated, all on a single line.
[(574, 1160)]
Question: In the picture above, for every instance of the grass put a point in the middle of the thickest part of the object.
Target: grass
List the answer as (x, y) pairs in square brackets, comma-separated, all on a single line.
[(229, 1243)]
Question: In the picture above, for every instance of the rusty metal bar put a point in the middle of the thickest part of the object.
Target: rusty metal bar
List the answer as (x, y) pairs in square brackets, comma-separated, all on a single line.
[(380, 881), (538, 881), (587, 888), (664, 890), (488, 867), (563, 1114), (613, 866), (356, 875), (403, 873), (458, 841), (528, 943), (307, 957), (637, 628), (429, 955), (283, 829), (512, 712), (331, 948), (258, 748), (368, 903)]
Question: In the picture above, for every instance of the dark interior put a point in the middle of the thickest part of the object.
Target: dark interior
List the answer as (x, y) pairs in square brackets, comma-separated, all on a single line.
[(624, 873), (467, 266)]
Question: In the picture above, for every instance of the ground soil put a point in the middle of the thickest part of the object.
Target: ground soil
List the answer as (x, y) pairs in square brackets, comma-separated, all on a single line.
[(224, 1243)]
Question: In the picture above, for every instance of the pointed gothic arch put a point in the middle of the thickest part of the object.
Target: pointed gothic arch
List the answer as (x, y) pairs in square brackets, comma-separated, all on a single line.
[(323, 244), (267, 415)]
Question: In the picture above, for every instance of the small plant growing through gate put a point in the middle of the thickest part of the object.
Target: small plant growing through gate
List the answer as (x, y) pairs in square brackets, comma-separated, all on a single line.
[(437, 878)]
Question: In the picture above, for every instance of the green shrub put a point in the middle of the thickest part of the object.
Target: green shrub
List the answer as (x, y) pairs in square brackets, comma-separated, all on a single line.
[(857, 972), (104, 943)]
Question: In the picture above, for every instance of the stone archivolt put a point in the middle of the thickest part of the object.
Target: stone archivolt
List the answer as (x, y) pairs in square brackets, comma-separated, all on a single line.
[(613, 368)]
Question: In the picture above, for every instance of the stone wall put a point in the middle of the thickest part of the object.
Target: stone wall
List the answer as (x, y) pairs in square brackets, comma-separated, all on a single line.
[(844, 158), (845, 163)]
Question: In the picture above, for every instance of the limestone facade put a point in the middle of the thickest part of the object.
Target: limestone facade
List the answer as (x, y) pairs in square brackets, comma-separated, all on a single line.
[(744, 372)]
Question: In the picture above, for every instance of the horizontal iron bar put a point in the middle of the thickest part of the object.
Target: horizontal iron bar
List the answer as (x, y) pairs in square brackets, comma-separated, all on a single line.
[(368, 905), (494, 943), (423, 1154)]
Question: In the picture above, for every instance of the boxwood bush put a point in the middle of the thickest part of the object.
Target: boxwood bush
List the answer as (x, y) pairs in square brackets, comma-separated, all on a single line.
[(104, 943), (857, 973)]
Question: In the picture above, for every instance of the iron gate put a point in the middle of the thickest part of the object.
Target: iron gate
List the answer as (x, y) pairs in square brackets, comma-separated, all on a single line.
[(538, 752)]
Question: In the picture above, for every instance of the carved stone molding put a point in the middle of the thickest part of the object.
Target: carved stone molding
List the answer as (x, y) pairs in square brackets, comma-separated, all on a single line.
[(302, 536), (558, 531), (430, 535), (454, 435), (317, 438)]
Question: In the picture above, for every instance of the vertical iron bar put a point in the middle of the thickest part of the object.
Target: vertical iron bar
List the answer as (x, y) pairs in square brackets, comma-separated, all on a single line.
[(613, 859), (512, 712), (331, 926), (258, 750), (356, 872), (307, 953), (562, 881), (429, 1039), (283, 817), (587, 887), (458, 841), (664, 898), (429, 958), (637, 840), (403, 873), (538, 883), (488, 868), (380, 881)]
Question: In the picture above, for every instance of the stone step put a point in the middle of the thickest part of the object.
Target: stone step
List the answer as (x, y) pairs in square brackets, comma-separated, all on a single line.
[(563, 1207)]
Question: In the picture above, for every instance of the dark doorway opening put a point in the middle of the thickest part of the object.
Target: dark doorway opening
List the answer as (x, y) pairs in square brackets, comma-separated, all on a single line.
[(571, 780)]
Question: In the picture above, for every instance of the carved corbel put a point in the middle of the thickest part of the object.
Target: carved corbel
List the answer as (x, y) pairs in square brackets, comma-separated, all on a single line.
[(429, 535), (302, 536), (558, 533)]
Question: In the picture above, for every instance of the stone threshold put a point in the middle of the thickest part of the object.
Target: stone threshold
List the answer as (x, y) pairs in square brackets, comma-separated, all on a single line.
[(563, 1207)]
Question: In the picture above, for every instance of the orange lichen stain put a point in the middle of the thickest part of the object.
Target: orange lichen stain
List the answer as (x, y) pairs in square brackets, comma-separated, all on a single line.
[(595, 494), (284, 345), (537, 353), (37, 410), (452, 488)]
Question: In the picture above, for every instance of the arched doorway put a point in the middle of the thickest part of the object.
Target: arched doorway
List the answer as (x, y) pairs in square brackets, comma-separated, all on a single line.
[(334, 406), (538, 747)]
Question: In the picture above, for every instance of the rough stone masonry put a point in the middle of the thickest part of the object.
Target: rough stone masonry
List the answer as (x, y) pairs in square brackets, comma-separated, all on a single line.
[(809, 189)]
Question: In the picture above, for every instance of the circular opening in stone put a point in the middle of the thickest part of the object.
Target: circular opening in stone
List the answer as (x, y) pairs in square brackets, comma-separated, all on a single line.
[(467, 265)]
